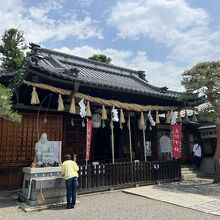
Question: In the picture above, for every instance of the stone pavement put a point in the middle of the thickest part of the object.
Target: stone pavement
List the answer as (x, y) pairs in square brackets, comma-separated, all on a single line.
[(197, 194)]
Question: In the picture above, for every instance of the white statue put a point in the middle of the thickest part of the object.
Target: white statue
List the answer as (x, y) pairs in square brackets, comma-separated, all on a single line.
[(44, 152)]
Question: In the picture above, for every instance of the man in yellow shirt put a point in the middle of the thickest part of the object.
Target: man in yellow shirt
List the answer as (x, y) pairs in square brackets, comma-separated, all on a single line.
[(70, 173)]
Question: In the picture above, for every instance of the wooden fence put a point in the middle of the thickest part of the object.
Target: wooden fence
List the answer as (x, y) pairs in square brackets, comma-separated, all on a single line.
[(120, 175)]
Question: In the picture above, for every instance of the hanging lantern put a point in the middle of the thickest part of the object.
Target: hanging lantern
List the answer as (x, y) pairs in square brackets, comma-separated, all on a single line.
[(157, 118), (96, 120), (168, 117), (122, 118), (34, 97), (104, 113), (186, 116), (88, 111), (72, 107), (194, 119), (179, 119), (60, 103)]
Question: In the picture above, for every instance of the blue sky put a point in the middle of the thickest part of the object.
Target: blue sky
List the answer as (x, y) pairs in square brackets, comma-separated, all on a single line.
[(161, 37)]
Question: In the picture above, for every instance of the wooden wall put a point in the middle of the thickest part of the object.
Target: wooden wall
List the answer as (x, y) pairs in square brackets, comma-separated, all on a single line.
[(17, 145), (74, 137)]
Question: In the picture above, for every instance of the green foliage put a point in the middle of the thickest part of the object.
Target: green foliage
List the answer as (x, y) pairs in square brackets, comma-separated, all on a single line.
[(6, 105), (204, 79), (101, 58), (14, 59)]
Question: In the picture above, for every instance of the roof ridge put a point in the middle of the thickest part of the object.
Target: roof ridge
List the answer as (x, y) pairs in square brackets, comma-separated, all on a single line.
[(87, 62), (94, 68), (158, 89)]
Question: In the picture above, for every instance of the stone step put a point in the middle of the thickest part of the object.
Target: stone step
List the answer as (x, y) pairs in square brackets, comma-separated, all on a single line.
[(189, 171), (188, 168), (189, 176)]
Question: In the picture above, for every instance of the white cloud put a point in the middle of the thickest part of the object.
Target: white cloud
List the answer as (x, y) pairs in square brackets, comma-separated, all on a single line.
[(39, 25), (118, 57), (156, 74), (85, 2), (173, 24)]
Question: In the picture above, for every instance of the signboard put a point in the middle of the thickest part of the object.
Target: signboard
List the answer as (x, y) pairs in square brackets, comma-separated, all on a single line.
[(147, 148), (56, 145), (176, 140), (208, 133), (165, 144), (88, 138)]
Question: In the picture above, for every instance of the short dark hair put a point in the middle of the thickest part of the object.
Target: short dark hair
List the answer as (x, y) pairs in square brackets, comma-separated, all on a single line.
[(67, 157)]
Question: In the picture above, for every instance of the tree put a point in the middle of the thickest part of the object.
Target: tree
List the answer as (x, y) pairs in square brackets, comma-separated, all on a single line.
[(14, 61), (6, 105), (204, 78), (101, 58)]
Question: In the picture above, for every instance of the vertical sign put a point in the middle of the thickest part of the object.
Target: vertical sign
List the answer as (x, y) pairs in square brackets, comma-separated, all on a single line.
[(176, 140), (88, 138), (56, 146)]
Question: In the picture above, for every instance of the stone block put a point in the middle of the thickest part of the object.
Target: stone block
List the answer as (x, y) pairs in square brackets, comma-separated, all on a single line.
[(48, 180)]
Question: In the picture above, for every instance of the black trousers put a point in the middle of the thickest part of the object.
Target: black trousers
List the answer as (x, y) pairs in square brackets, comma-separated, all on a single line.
[(197, 161)]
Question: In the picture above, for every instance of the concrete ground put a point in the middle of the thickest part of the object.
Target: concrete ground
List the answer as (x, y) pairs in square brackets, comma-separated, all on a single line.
[(197, 194), (114, 205)]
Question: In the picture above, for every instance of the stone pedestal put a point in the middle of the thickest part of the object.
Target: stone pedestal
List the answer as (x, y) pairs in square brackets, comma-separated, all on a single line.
[(207, 166), (48, 179)]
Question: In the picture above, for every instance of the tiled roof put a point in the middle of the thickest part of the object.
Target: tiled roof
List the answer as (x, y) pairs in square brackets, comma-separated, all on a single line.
[(90, 72), (4, 73)]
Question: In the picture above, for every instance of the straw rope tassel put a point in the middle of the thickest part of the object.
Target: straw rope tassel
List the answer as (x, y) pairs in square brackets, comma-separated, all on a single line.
[(179, 119), (168, 118), (194, 119), (142, 119), (104, 113), (157, 118), (72, 107), (122, 117), (34, 97), (186, 116), (88, 110), (60, 103)]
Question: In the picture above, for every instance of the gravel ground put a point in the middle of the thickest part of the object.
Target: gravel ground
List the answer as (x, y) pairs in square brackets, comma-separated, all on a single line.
[(114, 205)]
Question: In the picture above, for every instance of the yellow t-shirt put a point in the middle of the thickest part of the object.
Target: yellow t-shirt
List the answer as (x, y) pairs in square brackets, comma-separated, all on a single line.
[(69, 169)]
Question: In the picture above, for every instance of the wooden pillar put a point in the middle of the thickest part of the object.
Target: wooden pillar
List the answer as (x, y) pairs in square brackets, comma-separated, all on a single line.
[(217, 155), (112, 140), (129, 130)]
